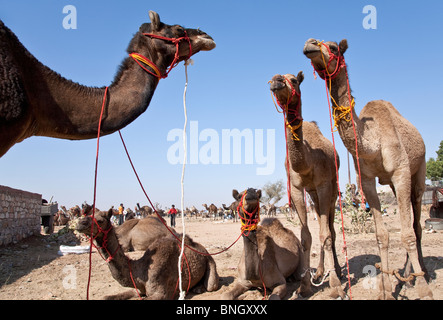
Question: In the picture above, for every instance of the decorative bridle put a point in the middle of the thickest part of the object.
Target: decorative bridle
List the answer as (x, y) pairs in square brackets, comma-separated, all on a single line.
[(324, 74), (285, 110), (140, 59), (248, 223), (104, 246)]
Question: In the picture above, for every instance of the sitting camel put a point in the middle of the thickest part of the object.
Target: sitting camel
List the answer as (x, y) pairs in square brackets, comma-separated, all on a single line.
[(155, 274), (271, 252)]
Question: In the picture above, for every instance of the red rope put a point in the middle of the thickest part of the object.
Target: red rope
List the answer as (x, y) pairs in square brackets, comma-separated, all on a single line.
[(95, 190), (105, 232), (296, 112), (158, 215), (324, 74), (345, 247)]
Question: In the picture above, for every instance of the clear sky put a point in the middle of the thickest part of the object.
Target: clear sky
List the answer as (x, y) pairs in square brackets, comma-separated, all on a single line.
[(399, 61)]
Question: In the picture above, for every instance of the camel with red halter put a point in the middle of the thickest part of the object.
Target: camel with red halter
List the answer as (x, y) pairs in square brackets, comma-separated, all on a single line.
[(310, 165), (37, 101), (383, 144), (271, 252), (155, 274)]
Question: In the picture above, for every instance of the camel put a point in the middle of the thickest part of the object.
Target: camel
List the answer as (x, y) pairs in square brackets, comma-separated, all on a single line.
[(144, 211), (36, 101), (271, 252), (312, 168), (61, 218), (389, 147), (194, 211), (269, 209), (232, 210), (75, 212), (212, 210), (155, 274)]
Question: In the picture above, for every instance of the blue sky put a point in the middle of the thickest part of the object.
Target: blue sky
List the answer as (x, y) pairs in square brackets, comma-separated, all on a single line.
[(399, 62)]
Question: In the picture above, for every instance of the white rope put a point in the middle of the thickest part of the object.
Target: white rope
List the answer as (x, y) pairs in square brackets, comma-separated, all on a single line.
[(182, 292)]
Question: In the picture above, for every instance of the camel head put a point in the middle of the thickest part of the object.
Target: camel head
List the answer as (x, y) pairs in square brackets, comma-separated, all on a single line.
[(325, 55), (248, 200), (286, 88), (101, 222), (143, 42)]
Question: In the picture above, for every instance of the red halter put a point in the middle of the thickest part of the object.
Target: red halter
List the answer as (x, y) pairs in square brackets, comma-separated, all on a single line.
[(140, 58), (284, 108), (324, 74)]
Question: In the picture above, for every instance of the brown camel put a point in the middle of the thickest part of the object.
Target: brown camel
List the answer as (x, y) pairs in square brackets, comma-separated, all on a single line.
[(155, 274), (389, 147), (36, 101), (61, 218), (138, 234), (144, 211), (312, 167), (212, 209), (232, 210), (271, 252), (194, 211)]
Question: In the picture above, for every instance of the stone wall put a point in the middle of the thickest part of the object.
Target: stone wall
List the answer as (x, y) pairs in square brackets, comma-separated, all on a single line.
[(19, 214)]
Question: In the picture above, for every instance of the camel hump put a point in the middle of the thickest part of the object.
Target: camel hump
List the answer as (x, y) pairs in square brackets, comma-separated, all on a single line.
[(268, 222)]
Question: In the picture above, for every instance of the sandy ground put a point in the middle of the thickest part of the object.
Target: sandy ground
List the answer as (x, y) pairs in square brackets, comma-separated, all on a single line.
[(32, 269)]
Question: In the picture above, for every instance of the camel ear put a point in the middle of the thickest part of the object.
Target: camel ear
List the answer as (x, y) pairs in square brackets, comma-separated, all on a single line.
[(110, 213), (300, 77), (343, 46), (259, 191), (155, 20), (235, 194)]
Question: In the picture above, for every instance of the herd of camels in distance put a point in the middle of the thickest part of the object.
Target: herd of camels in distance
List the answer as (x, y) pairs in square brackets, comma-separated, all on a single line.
[(36, 101)]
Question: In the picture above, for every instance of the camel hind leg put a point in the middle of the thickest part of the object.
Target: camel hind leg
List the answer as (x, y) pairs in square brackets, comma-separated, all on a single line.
[(382, 236), (402, 182), (417, 190), (211, 278)]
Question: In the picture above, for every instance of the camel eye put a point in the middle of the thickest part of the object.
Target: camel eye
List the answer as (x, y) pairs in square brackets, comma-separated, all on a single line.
[(180, 30)]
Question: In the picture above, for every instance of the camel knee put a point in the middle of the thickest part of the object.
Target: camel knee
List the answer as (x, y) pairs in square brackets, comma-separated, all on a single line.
[(409, 240), (382, 240), (306, 239)]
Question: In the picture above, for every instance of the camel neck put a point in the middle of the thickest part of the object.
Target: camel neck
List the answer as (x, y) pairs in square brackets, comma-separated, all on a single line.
[(68, 110), (252, 259), (294, 134), (343, 107), (112, 252)]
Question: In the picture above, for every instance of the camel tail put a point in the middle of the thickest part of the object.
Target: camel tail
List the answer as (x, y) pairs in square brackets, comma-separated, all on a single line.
[(211, 279)]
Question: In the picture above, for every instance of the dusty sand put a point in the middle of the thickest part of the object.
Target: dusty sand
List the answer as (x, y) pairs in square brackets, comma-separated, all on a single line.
[(32, 269)]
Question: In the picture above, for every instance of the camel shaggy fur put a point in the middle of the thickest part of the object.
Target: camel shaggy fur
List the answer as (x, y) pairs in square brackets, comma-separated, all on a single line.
[(36, 101)]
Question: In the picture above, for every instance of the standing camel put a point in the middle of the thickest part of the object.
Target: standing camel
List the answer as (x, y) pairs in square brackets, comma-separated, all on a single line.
[(212, 209), (311, 167), (389, 147), (36, 101)]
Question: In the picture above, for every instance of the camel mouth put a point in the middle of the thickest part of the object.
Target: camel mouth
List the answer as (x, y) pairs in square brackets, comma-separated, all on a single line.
[(277, 83), (311, 48), (205, 42)]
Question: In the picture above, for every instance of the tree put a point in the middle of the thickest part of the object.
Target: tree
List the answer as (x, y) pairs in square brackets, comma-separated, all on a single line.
[(273, 192), (434, 167)]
